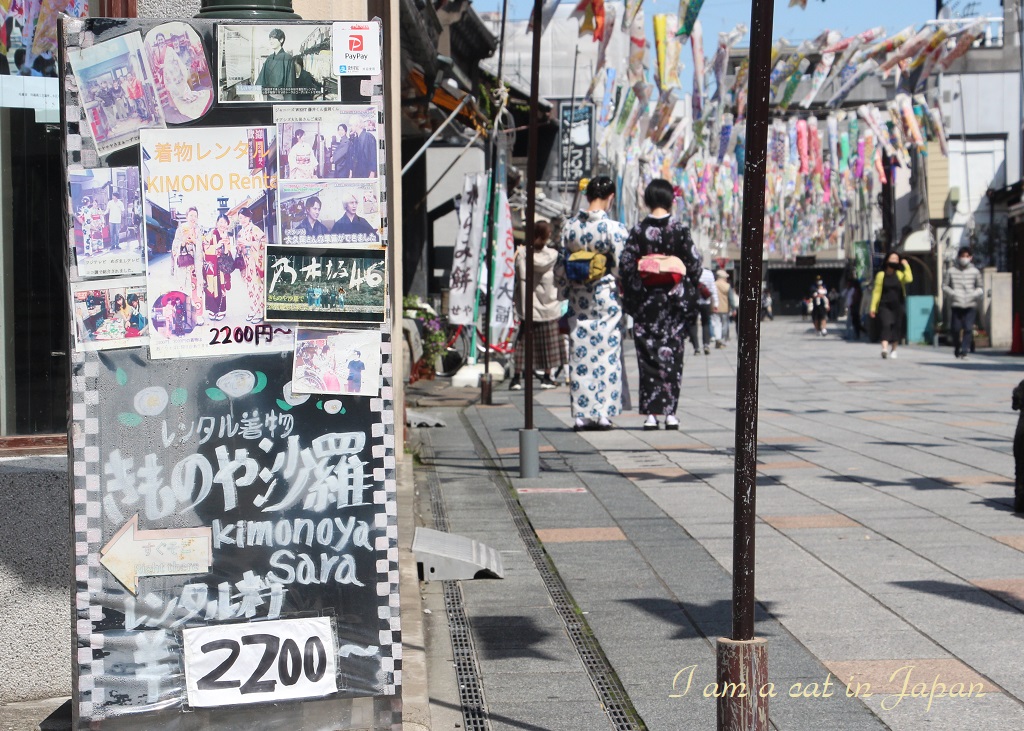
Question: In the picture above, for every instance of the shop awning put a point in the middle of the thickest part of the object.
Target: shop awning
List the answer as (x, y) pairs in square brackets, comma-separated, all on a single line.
[(448, 100)]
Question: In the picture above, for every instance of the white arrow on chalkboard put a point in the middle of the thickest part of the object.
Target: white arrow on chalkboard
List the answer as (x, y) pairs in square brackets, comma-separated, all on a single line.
[(132, 553)]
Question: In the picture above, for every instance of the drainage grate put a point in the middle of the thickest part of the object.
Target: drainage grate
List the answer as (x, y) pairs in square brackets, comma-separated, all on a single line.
[(609, 689), (467, 674)]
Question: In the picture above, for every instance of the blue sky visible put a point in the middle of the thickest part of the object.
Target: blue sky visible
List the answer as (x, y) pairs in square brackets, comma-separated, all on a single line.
[(847, 16)]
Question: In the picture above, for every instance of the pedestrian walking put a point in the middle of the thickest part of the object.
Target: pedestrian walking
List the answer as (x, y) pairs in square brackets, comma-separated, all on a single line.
[(548, 351), (853, 298), (888, 301), (707, 299), (720, 321), (962, 285), (587, 272), (766, 304), (819, 307), (660, 271), (833, 304)]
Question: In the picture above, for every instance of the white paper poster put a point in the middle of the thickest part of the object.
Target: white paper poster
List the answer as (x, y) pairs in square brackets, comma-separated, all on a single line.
[(259, 662), (462, 285)]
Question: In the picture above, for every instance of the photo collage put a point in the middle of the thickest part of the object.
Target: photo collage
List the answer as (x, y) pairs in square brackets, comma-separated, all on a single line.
[(224, 240)]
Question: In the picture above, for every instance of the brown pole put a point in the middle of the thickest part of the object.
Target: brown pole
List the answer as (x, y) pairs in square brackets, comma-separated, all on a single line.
[(748, 323), (744, 658), (531, 208)]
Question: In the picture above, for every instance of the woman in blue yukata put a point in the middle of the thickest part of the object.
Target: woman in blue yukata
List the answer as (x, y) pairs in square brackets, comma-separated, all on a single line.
[(662, 305), (595, 345)]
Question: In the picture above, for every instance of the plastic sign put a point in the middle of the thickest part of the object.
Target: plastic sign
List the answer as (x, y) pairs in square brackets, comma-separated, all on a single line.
[(257, 662), (357, 50)]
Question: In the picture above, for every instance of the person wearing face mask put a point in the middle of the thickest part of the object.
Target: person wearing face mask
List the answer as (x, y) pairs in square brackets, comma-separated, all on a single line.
[(962, 285), (888, 300)]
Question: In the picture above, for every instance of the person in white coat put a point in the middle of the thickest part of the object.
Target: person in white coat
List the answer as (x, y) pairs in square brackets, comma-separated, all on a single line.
[(548, 348)]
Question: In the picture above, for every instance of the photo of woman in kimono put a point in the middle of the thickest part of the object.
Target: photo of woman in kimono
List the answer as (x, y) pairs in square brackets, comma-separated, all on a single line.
[(218, 247), (253, 242), (184, 250), (180, 72), (302, 160), (137, 319)]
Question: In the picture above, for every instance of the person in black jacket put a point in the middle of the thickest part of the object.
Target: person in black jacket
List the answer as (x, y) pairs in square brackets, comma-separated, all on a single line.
[(305, 85), (277, 72), (341, 146), (365, 151)]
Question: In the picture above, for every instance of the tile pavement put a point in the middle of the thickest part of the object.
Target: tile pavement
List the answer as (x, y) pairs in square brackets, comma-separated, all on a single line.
[(885, 540)]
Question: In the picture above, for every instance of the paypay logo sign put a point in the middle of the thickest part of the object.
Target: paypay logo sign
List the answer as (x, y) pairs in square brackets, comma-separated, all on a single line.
[(357, 49)]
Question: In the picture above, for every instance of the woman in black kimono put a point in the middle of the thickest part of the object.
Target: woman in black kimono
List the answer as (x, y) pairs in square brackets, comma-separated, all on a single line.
[(661, 312)]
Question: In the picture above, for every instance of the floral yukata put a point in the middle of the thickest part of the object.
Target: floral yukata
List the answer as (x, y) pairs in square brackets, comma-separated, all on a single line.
[(595, 344), (661, 314)]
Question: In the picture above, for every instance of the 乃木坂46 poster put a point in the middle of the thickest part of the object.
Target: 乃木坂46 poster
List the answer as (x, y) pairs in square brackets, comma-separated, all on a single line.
[(210, 199)]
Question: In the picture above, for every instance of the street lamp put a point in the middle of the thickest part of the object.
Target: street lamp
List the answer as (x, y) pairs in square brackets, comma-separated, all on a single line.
[(254, 10)]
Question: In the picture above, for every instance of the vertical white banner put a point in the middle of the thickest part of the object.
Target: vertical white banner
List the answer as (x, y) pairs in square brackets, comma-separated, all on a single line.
[(504, 271), (466, 257)]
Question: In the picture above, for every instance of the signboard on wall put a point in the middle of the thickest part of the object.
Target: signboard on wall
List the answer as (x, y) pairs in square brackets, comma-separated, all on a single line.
[(233, 476), (575, 140)]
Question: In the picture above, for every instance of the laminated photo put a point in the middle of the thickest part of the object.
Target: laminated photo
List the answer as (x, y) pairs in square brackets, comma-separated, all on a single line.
[(110, 313), (115, 86), (336, 362), (326, 286), (331, 213), (181, 73), (275, 63), (106, 221), (210, 203), (344, 139)]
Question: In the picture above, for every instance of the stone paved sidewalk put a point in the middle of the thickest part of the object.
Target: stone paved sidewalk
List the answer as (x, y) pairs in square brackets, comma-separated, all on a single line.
[(887, 552)]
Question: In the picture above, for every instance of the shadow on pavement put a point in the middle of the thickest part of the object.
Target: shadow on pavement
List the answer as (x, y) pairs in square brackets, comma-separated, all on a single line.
[(696, 621), (918, 483), (501, 637), (1004, 505), (968, 594)]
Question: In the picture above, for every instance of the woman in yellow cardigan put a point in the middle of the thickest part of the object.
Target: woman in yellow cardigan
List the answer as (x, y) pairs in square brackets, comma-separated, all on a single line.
[(888, 299)]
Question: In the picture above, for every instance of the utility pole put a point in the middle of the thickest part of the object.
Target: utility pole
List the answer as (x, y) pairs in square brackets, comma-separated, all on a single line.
[(743, 658), (528, 436), (486, 383)]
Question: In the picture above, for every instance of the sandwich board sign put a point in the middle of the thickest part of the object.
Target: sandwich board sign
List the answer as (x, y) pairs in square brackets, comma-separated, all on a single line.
[(231, 434)]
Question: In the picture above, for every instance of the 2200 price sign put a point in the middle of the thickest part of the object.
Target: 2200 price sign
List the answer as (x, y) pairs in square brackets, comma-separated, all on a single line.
[(260, 662)]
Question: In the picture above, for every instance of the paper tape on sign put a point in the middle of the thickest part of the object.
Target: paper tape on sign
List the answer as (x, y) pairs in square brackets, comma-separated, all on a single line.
[(260, 662), (357, 49)]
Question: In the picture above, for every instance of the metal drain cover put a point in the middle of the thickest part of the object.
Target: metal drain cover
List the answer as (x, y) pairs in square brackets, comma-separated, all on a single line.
[(444, 556)]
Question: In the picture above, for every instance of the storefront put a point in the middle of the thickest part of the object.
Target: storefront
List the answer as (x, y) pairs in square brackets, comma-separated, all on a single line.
[(33, 350)]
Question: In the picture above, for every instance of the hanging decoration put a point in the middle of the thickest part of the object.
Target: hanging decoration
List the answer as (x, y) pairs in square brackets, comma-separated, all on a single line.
[(827, 157)]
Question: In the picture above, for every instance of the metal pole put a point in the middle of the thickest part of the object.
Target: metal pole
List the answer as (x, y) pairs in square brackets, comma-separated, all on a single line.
[(572, 99), (492, 207), (743, 658), (751, 264), (528, 436)]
